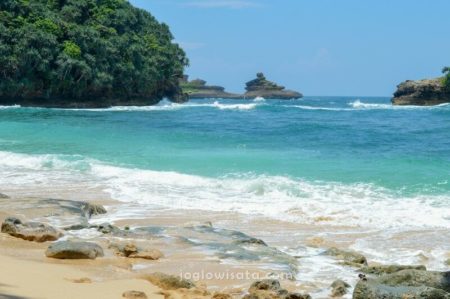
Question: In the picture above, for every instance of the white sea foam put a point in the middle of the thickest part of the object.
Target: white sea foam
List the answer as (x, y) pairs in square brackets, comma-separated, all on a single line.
[(9, 107), (305, 107), (167, 106), (358, 104), (356, 205)]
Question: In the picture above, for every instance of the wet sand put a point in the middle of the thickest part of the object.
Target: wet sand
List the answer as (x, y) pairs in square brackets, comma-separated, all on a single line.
[(296, 257)]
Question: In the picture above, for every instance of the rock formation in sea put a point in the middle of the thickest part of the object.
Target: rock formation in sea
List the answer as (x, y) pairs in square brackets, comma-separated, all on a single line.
[(426, 92), (261, 87), (197, 89)]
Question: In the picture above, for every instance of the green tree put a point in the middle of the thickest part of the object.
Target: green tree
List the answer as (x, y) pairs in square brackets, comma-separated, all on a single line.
[(446, 80), (96, 51)]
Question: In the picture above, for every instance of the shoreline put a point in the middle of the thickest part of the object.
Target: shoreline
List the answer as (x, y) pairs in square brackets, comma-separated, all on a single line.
[(173, 232)]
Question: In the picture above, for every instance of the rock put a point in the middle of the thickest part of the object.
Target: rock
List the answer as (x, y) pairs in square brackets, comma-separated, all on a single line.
[(297, 296), (150, 254), (74, 250), (134, 295), (221, 296), (350, 258), (92, 209), (197, 89), (81, 280), (412, 284), (77, 227), (339, 288), (251, 241), (271, 289), (3, 196), (195, 224), (261, 87), (30, 231), (265, 285), (106, 228), (169, 282), (388, 269), (421, 93), (130, 250)]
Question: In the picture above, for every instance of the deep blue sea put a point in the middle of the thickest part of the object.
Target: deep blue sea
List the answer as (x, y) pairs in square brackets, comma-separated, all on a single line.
[(263, 157)]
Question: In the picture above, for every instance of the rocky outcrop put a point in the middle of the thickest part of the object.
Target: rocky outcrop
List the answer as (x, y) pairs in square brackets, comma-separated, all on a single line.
[(413, 284), (422, 93), (197, 89), (271, 288), (261, 87), (74, 250), (30, 231)]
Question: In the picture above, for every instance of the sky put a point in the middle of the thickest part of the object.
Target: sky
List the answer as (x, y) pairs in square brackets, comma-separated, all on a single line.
[(317, 47)]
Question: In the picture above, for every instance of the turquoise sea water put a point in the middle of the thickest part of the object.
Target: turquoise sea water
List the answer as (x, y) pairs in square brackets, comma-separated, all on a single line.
[(317, 150)]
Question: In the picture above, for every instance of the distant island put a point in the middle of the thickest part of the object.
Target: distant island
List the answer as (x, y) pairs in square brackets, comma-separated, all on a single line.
[(426, 92), (259, 87), (86, 54)]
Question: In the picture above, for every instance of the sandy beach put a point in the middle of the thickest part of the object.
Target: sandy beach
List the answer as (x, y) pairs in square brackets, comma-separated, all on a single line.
[(222, 253)]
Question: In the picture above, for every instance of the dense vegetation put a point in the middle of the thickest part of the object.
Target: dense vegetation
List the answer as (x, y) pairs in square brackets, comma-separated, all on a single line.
[(96, 51), (446, 72)]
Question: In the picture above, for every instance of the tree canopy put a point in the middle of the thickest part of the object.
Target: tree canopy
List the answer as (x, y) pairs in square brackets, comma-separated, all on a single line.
[(86, 50), (446, 72)]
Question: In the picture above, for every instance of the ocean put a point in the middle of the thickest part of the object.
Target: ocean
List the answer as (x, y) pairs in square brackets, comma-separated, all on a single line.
[(355, 162)]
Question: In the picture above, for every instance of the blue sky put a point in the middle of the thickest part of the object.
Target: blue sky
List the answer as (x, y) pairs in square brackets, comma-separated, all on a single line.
[(318, 47)]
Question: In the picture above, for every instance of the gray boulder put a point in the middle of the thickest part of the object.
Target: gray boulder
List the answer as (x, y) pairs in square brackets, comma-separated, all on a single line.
[(30, 231), (3, 196), (411, 284), (74, 250)]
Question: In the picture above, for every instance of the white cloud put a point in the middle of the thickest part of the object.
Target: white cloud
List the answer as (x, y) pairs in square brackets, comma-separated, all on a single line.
[(231, 4)]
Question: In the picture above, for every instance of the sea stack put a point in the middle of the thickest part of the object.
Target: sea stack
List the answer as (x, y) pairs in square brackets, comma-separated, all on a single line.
[(197, 89), (261, 87), (426, 92)]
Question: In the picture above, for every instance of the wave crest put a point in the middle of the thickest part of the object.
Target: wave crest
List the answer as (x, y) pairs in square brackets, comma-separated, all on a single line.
[(277, 197)]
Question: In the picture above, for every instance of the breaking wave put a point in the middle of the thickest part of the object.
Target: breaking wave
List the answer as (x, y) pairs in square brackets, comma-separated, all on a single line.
[(276, 197)]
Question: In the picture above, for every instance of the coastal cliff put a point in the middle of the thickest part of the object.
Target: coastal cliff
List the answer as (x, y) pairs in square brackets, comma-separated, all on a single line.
[(426, 92), (259, 87), (86, 54)]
